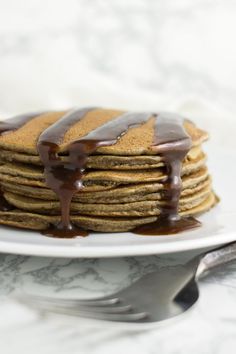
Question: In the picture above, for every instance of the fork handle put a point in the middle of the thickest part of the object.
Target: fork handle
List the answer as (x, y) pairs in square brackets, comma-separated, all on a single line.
[(215, 258)]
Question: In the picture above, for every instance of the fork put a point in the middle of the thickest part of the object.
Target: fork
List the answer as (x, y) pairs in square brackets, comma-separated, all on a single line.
[(156, 296)]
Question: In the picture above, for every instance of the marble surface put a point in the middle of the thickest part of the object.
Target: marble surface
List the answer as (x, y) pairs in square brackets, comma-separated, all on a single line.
[(136, 54), (207, 328)]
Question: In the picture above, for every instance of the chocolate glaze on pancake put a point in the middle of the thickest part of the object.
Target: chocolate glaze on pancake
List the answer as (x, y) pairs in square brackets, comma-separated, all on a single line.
[(16, 122), (170, 140), (65, 178), (172, 143)]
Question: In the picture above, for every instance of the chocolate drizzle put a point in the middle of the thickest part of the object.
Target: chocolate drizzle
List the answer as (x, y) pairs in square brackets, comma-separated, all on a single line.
[(11, 124), (65, 178), (170, 141)]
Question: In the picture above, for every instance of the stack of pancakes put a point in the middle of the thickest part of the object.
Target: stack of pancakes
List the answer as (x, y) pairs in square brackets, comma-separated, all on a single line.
[(123, 183)]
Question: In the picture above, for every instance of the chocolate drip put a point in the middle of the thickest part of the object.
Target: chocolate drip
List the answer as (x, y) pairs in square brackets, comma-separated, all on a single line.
[(4, 205), (172, 143), (17, 122), (65, 178)]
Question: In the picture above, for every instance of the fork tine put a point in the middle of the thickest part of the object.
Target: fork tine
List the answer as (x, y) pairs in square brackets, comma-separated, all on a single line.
[(111, 308), (106, 316), (102, 301), (132, 317), (115, 310), (116, 313)]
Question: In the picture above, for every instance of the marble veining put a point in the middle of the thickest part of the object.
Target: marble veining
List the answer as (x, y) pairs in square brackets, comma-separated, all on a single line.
[(211, 323)]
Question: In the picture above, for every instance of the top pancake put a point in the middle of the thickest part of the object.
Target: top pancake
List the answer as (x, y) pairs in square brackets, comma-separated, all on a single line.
[(136, 141)]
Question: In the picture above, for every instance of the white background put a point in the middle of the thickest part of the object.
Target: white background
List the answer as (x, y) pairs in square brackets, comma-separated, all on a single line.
[(129, 54)]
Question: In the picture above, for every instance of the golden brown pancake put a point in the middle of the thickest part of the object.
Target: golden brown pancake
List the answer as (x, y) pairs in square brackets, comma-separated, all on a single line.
[(36, 221), (123, 184), (137, 141)]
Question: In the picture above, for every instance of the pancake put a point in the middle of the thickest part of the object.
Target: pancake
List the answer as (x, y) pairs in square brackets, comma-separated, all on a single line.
[(137, 141), (33, 221), (94, 179), (133, 192), (114, 170), (142, 208), (105, 162)]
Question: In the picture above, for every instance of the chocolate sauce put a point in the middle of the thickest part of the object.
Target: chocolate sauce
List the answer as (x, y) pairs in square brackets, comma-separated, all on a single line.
[(4, 205), (172, 143), (65, 178), (17, 122)]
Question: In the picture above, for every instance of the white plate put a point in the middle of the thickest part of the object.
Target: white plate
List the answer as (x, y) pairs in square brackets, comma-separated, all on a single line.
[(219, 226)]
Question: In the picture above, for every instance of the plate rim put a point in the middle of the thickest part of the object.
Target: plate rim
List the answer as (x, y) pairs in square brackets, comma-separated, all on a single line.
[(114, 251)]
